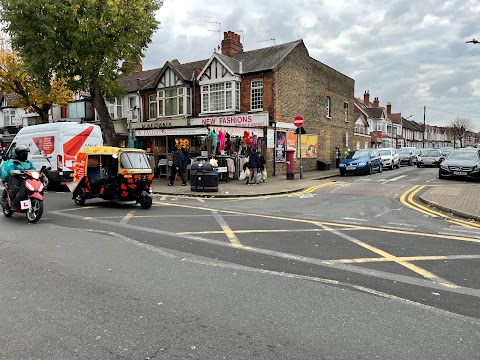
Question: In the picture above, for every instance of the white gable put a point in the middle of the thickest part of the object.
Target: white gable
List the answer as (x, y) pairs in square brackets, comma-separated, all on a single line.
[(216, 71)]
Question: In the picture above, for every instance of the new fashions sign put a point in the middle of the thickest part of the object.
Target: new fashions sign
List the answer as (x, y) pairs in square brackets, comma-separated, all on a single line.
[(259, 119), (171, 132), (159, 124)]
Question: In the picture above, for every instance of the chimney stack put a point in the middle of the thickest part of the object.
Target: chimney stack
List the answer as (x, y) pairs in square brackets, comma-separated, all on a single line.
[(366, 98), (376, 102), (389, 108), (231, 44)]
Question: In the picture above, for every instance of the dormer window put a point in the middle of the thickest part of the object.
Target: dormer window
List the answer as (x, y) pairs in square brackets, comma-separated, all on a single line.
[(221, 97)]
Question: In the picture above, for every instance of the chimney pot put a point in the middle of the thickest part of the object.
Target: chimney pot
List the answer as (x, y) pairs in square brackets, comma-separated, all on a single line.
[(231, 44)]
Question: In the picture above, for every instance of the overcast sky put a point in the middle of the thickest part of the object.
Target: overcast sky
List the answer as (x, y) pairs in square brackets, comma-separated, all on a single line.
[(412, 53)]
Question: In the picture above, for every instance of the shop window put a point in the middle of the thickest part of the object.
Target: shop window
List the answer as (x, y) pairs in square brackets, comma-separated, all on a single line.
[(221, 97), (256, 94)]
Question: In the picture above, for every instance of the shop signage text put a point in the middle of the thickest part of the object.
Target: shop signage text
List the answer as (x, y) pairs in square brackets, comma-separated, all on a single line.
[(244, 120), (159, 124)]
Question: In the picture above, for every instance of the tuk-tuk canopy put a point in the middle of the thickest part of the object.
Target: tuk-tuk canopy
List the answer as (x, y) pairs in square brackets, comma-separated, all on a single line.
[(107, 150), (130, 160)]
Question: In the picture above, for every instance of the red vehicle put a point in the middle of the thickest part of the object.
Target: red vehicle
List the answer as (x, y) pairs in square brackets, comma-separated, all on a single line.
[(32, 205)]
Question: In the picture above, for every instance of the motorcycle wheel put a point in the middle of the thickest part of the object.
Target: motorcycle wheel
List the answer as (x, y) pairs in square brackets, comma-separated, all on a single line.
[(79, 200), (146, 203), (7, 211), (34, 213)]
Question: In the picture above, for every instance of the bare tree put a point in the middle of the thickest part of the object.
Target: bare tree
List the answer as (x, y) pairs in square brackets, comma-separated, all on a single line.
[(460, 128)]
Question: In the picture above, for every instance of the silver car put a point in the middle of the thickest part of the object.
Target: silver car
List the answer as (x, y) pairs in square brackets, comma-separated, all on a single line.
[(390, 158)]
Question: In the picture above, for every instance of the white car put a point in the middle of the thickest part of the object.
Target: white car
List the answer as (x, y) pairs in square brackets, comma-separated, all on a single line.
[(390, 158)]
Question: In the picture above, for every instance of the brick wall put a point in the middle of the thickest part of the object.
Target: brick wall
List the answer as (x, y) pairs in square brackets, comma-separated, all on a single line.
[(302, 85)]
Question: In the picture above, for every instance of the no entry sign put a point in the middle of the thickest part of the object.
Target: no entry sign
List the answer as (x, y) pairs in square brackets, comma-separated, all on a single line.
[(298, 121)]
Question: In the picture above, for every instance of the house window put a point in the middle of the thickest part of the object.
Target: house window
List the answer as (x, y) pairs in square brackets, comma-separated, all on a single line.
[(220, 97), (7, 116), (76, 110), (173, 102), (132, 106), (329, 108), (256, 94), (152, 106), (115, 109), (345, 110)]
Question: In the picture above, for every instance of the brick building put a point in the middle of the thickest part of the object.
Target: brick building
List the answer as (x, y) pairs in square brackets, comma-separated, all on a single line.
[(247, 95)]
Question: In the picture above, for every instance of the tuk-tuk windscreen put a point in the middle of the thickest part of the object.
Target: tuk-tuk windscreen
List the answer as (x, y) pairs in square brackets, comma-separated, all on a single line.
[(134, 160)]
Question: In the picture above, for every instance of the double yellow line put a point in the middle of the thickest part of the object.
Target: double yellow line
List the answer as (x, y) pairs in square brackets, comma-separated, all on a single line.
[(407, 199)]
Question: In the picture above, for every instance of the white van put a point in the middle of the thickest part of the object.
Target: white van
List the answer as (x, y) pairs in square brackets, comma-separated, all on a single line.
[(55, 145)]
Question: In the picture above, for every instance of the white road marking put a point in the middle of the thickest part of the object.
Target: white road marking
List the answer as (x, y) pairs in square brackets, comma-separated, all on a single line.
[(393, 179), (355, 219)]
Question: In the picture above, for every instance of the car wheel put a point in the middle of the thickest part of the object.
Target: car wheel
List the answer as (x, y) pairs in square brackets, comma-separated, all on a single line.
[(410, 162), (369, 171), (380, 168), (440, 176), (418, 165), (392, 167)]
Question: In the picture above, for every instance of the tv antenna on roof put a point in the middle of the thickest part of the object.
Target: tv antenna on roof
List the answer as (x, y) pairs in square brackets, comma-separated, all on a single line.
[(219, 31), (271, 39)]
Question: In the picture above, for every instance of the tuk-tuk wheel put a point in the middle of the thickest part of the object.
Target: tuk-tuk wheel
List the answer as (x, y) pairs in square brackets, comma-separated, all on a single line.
[(79, 200), (146, 203)]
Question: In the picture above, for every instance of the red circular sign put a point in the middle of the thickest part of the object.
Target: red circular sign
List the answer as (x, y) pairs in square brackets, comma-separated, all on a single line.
[(298, 121)]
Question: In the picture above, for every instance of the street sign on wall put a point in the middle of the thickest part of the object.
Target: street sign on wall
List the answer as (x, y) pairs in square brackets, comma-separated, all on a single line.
[(298, 121)]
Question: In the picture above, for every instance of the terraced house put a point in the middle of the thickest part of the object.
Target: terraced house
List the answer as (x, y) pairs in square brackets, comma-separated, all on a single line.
[(251, 97)]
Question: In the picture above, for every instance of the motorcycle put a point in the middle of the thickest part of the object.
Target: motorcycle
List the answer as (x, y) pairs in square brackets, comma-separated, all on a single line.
[(32, 205)]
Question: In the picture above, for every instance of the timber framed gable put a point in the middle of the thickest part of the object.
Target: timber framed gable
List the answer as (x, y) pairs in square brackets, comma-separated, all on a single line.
[(169, 78), (215, 71)]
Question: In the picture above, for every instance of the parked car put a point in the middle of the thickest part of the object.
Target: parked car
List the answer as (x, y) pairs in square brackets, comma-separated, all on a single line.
[(461, 163), (390, 158), (361, 161), (446, 150), (430, 157), (406, 156)]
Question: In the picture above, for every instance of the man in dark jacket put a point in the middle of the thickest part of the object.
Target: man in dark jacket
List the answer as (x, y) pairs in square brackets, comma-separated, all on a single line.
[(254, 165), (177, 167)]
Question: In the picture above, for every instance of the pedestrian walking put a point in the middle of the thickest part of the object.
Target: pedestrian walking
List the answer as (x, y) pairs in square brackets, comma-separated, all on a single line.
[(177, 167), (185, 162), (254, 165)]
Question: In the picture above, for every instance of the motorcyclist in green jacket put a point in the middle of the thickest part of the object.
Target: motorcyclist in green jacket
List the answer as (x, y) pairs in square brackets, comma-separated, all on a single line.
[(19, 163)]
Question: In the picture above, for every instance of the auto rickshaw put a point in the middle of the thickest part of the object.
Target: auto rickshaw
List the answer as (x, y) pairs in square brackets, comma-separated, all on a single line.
[(112, 173)]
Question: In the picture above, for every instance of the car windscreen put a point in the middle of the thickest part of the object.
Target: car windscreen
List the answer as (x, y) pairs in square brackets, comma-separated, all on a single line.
[(357, 154), (134, 160), (384, 152), (431, 153), (403, 152), (463, 155)]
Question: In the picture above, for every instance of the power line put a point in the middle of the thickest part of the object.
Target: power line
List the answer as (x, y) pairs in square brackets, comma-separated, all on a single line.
[(454, 113)]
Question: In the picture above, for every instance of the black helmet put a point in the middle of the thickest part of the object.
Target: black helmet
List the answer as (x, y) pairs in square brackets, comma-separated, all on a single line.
[(21, 152)]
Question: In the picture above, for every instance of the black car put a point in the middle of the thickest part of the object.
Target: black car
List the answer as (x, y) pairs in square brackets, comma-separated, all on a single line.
[(430, 157), (461, 163), (406, 156)]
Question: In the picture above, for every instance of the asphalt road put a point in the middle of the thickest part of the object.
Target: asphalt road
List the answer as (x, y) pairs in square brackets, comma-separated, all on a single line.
[(345, 271)]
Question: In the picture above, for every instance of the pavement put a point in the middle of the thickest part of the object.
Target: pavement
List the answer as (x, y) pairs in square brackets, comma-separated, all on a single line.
[(461, 199)]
